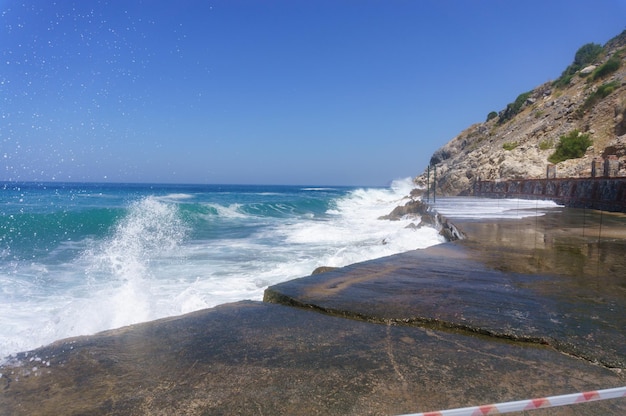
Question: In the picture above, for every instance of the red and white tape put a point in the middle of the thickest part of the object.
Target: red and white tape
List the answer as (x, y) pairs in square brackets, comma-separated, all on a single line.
[(521, 405)]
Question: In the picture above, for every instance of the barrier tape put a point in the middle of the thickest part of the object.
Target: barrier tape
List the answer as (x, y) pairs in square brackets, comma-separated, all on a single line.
[(521, 405)]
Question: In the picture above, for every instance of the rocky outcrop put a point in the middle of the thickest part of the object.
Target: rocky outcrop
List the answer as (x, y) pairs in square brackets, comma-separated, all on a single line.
[(516, 143), (616, 147), (413, 208), (428, 218)]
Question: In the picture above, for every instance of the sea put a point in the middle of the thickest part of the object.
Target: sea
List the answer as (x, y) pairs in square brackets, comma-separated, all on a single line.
[(79, 258)]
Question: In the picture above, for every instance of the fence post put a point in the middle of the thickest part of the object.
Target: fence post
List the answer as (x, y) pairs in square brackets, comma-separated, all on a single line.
[(428, 185), (435, 185)]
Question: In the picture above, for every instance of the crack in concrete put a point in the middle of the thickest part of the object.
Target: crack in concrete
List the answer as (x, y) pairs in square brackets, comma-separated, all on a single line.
[(436, 324)]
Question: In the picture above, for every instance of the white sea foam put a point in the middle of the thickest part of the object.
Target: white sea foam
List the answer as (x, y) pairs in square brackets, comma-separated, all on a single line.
[(176, 197), (108, 287), (482, 208), (355, 232), (149, 267), (230, 211)]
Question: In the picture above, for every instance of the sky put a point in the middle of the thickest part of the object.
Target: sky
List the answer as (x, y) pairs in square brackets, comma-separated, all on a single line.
[(324, 92)]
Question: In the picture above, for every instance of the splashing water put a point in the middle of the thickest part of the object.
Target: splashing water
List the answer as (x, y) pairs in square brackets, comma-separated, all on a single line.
[(108, 286), (81, 258), (122, 265), (151, 230)]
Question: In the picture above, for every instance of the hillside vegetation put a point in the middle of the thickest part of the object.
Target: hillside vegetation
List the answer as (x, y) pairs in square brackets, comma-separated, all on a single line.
[(568, 122)]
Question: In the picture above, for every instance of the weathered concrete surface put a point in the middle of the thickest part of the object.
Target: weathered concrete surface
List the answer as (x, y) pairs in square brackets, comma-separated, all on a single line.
[(259, 358), (420, 353), (541, 280), (558, 280)]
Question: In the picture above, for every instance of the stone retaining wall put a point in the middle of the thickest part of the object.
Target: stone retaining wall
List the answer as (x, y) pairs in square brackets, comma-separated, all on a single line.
[(607, 194)]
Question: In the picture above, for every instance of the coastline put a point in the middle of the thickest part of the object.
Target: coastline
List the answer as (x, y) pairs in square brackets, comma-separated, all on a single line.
[(414, 342), (120, 255)]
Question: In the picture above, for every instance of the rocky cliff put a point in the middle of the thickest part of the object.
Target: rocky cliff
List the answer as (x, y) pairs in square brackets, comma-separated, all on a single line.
[(590, 96)]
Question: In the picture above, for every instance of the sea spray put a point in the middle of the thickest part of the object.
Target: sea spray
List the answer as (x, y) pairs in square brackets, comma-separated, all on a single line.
[(150, 230), (122, 265)]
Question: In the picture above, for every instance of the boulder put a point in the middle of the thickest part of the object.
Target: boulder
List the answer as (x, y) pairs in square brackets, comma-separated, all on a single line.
[(588, 69), (413, 208)]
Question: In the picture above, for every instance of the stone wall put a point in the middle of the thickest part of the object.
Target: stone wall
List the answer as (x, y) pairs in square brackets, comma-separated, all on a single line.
[(607, 194)]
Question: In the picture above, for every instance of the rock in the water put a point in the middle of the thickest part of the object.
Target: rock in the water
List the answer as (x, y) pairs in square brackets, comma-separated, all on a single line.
[(414, 207), (429, 218)]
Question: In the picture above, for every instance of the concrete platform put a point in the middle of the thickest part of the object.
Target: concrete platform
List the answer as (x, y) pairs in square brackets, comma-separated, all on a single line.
[(541, 280), (518, 310)]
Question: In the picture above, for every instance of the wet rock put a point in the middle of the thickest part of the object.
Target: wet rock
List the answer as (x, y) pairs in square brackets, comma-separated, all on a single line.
[(323, 269), (411, 208), (428, 218)]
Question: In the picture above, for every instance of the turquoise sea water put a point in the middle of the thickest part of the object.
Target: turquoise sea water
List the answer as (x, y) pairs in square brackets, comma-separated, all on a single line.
[(76, 259)]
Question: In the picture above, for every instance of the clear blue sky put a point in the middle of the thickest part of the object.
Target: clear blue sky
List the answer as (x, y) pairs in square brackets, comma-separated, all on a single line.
[(324, 92)]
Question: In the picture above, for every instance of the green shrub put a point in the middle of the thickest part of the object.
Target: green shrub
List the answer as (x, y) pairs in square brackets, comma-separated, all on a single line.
[(607, 68), (605, 89), (520, 100), (571, 146), (585, 55), (563, 81), (601, 92), (515, 107), (545, 144), (492, 115), (510, 146)]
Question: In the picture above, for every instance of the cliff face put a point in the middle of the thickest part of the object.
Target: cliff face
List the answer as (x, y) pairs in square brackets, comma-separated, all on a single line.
[(516, 142)]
